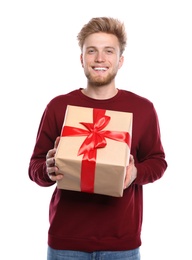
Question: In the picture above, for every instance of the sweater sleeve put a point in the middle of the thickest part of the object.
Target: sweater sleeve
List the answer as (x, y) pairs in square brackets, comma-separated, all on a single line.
[(46, 135), (150, 156)]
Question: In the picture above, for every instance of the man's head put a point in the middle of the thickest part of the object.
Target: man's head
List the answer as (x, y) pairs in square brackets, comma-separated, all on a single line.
[(105, 25), (102, 41)]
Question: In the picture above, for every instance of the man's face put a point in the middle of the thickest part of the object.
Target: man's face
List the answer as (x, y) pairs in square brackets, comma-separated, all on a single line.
[(100, 58)]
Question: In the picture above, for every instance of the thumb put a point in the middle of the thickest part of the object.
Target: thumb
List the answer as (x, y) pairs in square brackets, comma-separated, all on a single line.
[(57, 142), (131, 159)]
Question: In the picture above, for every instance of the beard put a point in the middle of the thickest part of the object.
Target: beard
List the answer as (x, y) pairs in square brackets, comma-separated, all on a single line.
[(99, 80)]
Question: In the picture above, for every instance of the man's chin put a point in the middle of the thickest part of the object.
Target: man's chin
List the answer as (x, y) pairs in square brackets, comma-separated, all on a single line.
[(99, 81), (98, 84)]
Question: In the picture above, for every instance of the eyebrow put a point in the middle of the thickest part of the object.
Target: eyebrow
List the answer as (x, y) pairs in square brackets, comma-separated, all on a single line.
[(106, 47)]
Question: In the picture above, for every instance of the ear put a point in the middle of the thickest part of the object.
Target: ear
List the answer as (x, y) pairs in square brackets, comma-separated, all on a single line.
[(121, 60), (81, 59)]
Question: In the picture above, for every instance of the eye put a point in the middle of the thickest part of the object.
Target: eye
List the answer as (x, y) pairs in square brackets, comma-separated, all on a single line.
[(90, 51), (109, 51)]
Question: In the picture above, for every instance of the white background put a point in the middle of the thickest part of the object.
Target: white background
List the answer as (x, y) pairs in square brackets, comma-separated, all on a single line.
[(39, 59)]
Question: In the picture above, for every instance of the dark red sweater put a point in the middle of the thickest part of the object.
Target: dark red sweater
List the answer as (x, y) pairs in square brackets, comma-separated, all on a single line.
[(90, 222)]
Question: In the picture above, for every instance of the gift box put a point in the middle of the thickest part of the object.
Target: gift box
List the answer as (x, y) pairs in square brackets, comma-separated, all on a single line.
[(94, 149)]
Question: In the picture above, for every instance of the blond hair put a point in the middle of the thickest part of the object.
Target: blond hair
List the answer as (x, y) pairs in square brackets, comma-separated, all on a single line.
[(106, 25)]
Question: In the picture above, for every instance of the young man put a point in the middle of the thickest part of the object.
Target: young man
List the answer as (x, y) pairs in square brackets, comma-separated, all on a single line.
[(92, 226)]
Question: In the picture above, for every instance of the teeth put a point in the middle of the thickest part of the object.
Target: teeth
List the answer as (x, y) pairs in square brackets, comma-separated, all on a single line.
[(100, 69)]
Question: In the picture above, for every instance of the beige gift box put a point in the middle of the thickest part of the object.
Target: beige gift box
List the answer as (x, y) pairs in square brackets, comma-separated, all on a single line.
[(94, 150)]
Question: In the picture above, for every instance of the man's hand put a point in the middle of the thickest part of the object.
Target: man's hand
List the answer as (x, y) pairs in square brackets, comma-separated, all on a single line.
[(52, 170), (131, 173)]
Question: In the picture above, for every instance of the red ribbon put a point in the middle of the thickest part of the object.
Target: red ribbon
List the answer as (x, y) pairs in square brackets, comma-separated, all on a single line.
[(95, 139)]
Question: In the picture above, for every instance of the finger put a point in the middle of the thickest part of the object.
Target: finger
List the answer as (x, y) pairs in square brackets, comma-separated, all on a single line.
[(54, 177), (50, 162), (51, 153), (57, 142), (127, 181), (128, 176), (131, 159)]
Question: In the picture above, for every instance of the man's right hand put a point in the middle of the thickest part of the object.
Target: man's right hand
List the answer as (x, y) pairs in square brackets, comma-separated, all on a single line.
[(52, 170)]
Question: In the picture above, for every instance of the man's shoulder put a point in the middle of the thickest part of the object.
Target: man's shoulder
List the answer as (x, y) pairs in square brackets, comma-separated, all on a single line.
[(135, 97), (63, 97)]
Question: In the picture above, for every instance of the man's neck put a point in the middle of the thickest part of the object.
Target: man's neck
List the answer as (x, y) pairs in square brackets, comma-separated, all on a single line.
[(102, 92)]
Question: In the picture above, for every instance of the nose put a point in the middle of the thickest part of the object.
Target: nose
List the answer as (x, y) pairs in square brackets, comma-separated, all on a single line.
[(100, 57)]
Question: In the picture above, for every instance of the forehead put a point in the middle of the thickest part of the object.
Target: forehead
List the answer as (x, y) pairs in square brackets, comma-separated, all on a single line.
[(101, 40)]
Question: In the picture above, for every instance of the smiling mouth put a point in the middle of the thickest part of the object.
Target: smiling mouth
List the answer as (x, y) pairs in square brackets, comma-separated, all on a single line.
[(99, 68)]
